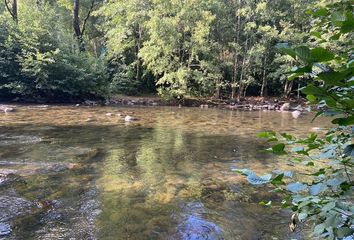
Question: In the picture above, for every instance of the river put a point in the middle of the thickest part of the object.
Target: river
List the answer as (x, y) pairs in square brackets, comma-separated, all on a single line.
[(70, 172)]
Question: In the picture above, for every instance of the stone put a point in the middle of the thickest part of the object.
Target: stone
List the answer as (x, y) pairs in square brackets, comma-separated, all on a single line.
[(7, 109), (285, 107), (5, 229), (130, 118), (109, 114), (194, 226), (296, 114)]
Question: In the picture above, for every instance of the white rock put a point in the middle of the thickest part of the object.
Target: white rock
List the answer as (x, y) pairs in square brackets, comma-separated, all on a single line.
[(296, 114), (129, 118), (285, 107), (109, 114)]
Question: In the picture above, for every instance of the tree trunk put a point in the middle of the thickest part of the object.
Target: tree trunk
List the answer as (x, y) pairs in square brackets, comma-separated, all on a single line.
[(138, 61), (236, 40), (233, 92), (264, 91), (76, 25), (12, 10), (288, 88)]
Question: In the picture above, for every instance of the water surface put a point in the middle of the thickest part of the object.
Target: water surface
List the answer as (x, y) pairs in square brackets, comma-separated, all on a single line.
[(84, 173)]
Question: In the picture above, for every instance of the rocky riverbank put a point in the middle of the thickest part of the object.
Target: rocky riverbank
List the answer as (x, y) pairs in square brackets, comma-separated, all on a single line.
[(248, 103)]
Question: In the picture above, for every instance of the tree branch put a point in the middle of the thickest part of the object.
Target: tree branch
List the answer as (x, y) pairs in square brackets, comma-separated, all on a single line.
[(8, 9), (87, 17)]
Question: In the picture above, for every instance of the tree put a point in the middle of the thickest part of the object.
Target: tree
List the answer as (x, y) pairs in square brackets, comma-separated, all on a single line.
[(80, 30), (178, 49), (125, 31)]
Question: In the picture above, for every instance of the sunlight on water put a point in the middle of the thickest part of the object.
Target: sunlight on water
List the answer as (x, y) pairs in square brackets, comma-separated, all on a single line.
[(85, 173)]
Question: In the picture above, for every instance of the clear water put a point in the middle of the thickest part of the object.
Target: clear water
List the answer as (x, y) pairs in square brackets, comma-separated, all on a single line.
[(87, 174)]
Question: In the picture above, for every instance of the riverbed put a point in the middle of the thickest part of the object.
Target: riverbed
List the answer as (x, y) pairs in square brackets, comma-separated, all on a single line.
[(83, 172)]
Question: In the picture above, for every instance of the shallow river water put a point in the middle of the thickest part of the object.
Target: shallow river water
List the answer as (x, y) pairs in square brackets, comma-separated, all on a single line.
[(84, 173)]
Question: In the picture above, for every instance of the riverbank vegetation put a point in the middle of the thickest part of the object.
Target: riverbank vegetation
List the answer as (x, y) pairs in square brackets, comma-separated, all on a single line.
[(73, 50)]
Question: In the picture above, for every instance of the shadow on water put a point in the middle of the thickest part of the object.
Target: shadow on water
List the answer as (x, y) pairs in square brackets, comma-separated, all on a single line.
[(159, 178)]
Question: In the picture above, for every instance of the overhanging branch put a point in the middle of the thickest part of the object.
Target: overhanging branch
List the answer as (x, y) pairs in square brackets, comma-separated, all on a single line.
[(9, 10), (87, 17)]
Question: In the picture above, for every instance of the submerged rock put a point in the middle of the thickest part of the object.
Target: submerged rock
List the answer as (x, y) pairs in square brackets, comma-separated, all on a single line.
[(5, 229), (13, 206), (194, 226)]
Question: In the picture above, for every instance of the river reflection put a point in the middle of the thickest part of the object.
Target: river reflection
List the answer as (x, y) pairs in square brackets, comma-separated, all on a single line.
[(83, 173)]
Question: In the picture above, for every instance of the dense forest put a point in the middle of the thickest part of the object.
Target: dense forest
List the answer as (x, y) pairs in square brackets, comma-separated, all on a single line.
[(68, 50)]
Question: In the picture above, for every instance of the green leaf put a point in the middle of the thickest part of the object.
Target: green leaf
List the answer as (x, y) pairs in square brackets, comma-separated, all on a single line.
[(338, 18), (344, 121), (311, 98), (288, 137), (306, 69), (319, 172), (319, 229), (310, 164), (332, 78), (296, 187), (267, 204), (278, 149), (321, 55), (313, 90), (258, 180), (347, 26), (285, 48), (278, 180), (328, 206), (288, 174), (335, 182), (302, 216), (270, 135), (321, 12), (317, 189), (304, 53), (243, 171), (316, 34), (344, 232)]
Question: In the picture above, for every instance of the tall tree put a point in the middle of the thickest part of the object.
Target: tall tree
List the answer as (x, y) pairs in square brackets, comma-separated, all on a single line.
[(178, 51)]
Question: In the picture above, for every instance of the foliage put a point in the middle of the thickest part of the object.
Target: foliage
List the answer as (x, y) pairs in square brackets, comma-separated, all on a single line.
[(39, 59), (324, 196), (178, 49)]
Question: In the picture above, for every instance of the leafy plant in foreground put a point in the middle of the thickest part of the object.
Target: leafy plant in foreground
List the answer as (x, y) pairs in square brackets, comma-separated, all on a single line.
[(323, 193)]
